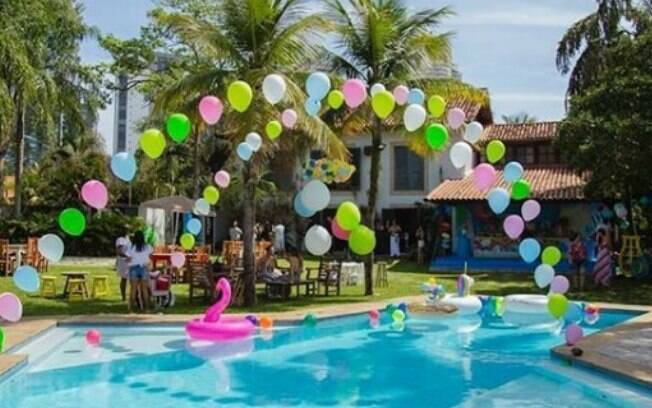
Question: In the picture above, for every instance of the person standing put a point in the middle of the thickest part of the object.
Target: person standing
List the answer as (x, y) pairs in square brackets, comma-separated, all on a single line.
[(603, 269), (577, 258), (279, 237), (122, 245), (235, 233), (394, 240), (138, 258)]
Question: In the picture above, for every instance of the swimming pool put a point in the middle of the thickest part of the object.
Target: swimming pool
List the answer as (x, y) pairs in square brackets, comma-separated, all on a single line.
[(433, 362)]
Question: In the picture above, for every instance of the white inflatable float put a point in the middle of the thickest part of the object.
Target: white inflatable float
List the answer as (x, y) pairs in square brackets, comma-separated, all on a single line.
[(465, 305), (528, 310)]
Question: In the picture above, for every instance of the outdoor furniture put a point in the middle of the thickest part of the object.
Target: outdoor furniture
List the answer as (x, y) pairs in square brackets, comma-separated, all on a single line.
[(16, 251), (99, 286), (159, 258), (328, 276), (200, 279), (7, 259), (77, 289), (381, 275), (352, 272), (74, 276), (232, 252), (48, 286)]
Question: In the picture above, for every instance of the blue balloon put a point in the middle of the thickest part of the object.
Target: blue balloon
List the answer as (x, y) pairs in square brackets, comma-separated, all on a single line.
[(193, 226), (123, 166), (498, 200), (417, 96), (530, 249), (300, 208), (317, 85), (574, 313), (312, 106), (244, 151), (26, 279), (513, 172)]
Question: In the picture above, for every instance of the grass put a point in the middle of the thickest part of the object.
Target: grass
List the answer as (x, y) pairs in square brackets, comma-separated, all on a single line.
[(404, 280)]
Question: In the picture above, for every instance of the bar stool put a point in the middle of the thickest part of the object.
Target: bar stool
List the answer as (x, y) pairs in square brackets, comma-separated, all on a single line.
[(381, 275), (77, 289), (99, 286), (48, 286)]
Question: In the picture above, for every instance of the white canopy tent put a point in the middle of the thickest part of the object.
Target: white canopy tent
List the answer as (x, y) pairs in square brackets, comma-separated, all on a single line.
[(165, 214)]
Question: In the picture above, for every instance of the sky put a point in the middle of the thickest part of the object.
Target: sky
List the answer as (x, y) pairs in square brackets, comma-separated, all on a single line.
[(506, 46)]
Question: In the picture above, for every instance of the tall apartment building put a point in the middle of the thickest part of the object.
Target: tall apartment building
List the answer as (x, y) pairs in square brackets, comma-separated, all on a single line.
[(131, 109)]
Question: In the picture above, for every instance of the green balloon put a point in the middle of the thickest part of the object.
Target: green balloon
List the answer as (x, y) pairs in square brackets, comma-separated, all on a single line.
[(178, 127), (520, 189), (436, 106), (2, 340), (398, 316), (437, 136), (310, 320), (187, 241), (152, 142), (348, 216), (72, 222), (551, 256), (362, 240), (557, 305), (240, 95), (273, 129), (150, 236), (335, 99), (211, 194), (495, 151), (383, 104)]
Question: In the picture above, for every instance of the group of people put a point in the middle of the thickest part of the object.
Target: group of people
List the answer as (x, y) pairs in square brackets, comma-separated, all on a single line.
[(132, 264), (397, 242), (603, 269), (262, 232)]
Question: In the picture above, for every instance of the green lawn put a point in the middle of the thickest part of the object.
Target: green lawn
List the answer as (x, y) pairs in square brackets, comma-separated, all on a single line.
[(404, 279)]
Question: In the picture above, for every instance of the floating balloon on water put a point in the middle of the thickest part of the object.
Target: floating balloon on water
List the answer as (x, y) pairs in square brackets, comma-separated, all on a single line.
[(455, 118), (72, 222), (178, 127), (211, 109), (362, 240), (498, 199), (543, 275), (310, 320), (461, 155), (222, 179), (401, 93), (513, 226), (436, 106), (152, 142), (266, 323), (274, 88), (529, 249), (289, 118), (437, 136), (95, 194), (530, 210), (398, 316), (317, 241), (240, 95), (414, 117), (93, 337), (123, 166), (513, 171), (50, 246), (473, 132), (317, 85), (26, 279), (484, 176), (355, 93)]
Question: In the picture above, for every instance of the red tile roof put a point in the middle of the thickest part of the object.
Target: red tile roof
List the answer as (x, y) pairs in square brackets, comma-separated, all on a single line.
[(521, 132), (552, 183)]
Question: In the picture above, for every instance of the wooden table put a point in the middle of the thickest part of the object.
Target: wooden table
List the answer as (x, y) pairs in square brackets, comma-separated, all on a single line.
[(74, 275)]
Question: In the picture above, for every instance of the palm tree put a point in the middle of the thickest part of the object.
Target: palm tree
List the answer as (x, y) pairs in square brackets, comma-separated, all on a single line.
[(245, 40), (522, 117), (382, 41)]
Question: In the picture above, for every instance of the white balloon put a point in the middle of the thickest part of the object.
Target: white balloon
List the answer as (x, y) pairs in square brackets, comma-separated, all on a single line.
[(473, 132), (318, 240), (543, 275), (254, 141), (315, 195), (461, 155), (414, 117), (274, 88), (202, 207), (51, 247), (376, 88)]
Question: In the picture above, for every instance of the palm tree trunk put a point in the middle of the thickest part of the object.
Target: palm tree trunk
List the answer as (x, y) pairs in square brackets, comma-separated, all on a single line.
[(2, 177), (248, 221), (19, 158), (195, 157), (376, 141)]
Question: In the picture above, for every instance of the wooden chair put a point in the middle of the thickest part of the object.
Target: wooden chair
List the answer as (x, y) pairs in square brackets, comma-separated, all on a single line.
[(33, 257), (200, 279), (237, 286), (7, 259), (232, 252), (381, 275), (329, 276)]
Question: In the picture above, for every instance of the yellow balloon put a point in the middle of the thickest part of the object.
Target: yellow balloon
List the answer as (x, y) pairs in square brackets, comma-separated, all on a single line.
[(240, 95), (383, 104), (152, 142), (436, 105), (273, 129)]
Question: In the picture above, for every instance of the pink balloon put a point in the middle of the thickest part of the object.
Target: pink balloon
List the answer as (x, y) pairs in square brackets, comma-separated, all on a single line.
[(222, 179), (401, 93), (513, 226), (573, 334), (93, 337), (355, 92), (95, 194), (338, 231), (289, 118), (455, 118), (374, 314), (530, 210), (559, 284), (210, 109), (10, 307), (484, 176), (177, 259)]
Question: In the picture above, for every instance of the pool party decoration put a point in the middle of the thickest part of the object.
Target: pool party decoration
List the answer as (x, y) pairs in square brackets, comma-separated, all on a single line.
[(187, 241), (338, 232), (211, 109), (398, 316), (201, 207), (436, 106), (574, 314), (177, 259), (551, 256), (239, 95), (401, 93), (520, 189), (317, 240), (348, 216), (2, 340), (312, 107), (244, 151), (152, 142), (414, 117), (274, 88), (573, 334), (93, 338), (484, 176), (355, 92), (455, 118), (215, 326), (150, 235), (513, 171), (178, 127), (473, 132), (211, 195), (315, 195), (530, 210), (289, 118), (300, 208), (559, 284), (543, 275), (416, 96), (222, 179), (193, 226), (529, 249), (310, 320), (11, 309), (376, 88), (317, 85), (495, 151), (95, 194), (362, 240), (557, 305), (498, 200), (461, 155), (26, 279), (591, 314), (513, 226), (273, 129), (123, 166), (50, 246), (254, 141), (72, 222), (437, 136), (266, 323), (335, 99), (374, 314), (389, 308), (383, 103)]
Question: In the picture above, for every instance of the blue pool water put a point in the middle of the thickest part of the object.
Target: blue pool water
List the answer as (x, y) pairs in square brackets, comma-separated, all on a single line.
[(433, 362)]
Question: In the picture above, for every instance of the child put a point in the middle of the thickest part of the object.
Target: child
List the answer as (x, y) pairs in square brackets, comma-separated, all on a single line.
[(577, 258), (138, 259)]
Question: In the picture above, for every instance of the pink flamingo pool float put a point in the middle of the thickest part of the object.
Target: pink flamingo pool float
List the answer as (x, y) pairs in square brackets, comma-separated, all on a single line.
[(215, 327)]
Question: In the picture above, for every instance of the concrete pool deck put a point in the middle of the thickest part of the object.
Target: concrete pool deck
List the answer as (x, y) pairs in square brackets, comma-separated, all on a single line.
[(624, 350)]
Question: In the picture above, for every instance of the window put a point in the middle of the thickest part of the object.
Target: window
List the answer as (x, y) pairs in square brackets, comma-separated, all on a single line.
[(521, 154), (408, 170), (548, 155)]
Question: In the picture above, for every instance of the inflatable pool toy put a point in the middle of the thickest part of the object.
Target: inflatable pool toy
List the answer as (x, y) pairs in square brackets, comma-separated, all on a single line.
[(465, 305), (215, 327), (464, 283), (529, 311)]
